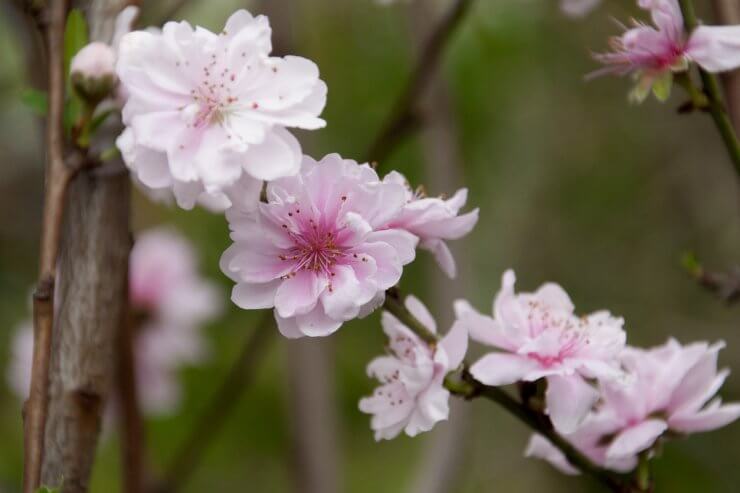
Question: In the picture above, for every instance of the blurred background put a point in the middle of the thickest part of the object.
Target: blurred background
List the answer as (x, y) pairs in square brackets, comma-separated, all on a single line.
[(574, 185)]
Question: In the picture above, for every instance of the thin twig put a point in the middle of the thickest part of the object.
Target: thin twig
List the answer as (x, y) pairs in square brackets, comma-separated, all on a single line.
[(726, 285), (403, 119), (469, 388), (56, 183), (130, 419), (716, 106), (215, 415)]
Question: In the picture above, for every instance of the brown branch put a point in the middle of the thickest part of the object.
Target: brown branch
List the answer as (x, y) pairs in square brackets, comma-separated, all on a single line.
[(725, 285), (468, 388), (130, 420), (219, 408), (404, 119), (57, 179)]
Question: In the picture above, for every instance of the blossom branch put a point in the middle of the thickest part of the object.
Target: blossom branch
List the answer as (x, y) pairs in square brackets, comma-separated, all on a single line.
[(57, 178), (468, 388), (404, 119), (218, 409), (715, 105)]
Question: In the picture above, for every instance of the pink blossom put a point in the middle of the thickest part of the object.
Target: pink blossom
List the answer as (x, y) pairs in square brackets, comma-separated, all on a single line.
[(578, 8), (411, 396), (539, 336), (654, 52), (205, 109), (434, 220), (667, 388), (589, 439), (172, 302), (318, 250)]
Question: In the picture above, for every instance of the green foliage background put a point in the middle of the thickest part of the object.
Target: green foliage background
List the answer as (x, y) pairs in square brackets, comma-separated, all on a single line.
[(574, 185)]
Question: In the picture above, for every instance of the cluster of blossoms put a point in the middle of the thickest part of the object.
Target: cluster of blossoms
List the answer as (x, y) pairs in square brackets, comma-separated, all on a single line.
[(611, 401), (321, 242), (170, 302), (653, 53)]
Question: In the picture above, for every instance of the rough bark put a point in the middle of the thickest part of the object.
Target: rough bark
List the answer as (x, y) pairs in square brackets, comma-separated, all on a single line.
[(92, 270)]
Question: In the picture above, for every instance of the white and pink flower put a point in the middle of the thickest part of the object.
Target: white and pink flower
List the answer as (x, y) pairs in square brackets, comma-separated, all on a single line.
[(412, 397), (539, 336), (205, 109), (653, 53), (667, 388), (434, 220), (319, 251)]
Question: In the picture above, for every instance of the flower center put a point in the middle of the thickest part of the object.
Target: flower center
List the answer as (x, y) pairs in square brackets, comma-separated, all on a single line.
[(316, 247)]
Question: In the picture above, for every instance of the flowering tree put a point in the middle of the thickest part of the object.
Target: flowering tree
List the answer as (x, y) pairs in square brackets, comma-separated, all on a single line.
[(197, 118)]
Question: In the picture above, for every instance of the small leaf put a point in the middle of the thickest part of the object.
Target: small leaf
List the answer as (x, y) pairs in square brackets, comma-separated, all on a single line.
[(99, 119), (37, 101), (75, 36), (662, 86)]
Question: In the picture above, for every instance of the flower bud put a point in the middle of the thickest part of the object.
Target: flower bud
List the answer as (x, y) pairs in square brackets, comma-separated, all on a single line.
[(93, 72)]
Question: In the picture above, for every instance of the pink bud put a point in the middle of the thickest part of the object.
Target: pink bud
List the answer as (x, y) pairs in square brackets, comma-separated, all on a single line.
[(93, 71)]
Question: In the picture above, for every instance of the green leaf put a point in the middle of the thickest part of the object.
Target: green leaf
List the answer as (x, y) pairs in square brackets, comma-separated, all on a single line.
[(36, 101), (99, 119), (662, 86), (75, 36)]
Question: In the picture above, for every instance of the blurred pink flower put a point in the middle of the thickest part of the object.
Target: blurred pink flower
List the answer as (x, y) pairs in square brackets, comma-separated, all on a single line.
[(18, 374), (412, 397), (578, 8), (434, 220), (540, 337), (653, 53), (205, 109), (315, 251), (172, 302), (667, 388)]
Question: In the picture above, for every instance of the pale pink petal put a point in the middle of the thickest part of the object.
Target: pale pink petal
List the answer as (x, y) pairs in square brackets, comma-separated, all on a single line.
[(636, 438), (540, 448), (298, 294), (442, 255), (716, 48), (569, 399), (403, 242), (278, 155), (418, 310), (455, 344), (502, 368), (255, 296), (713, 417)]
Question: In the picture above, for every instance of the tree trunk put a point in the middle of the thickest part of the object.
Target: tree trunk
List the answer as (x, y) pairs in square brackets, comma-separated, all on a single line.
[(92, 269)]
